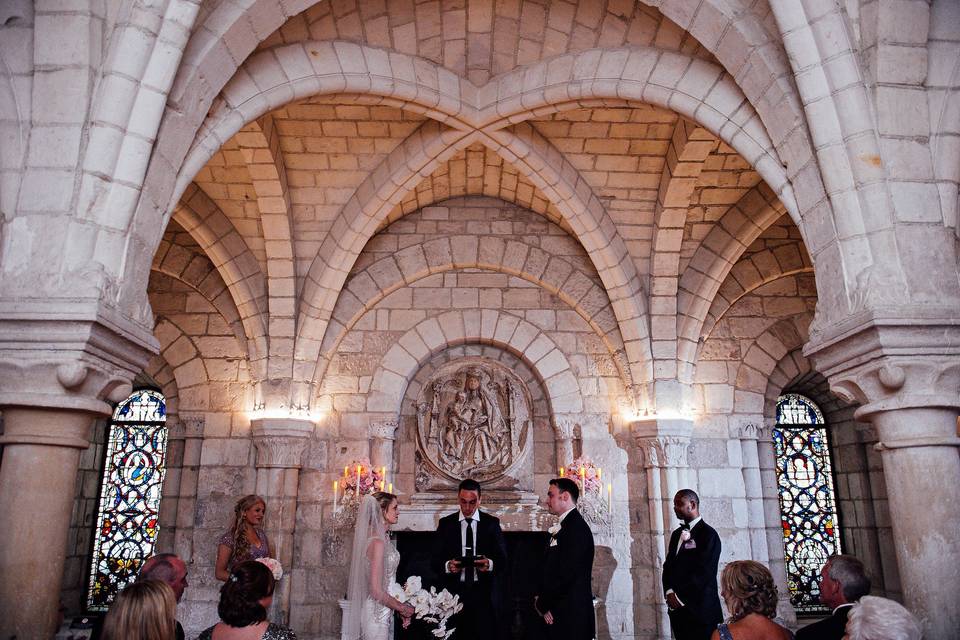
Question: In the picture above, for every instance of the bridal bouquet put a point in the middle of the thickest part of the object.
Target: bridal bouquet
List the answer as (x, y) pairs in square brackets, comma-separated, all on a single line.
[(274, 565), (430, 606)]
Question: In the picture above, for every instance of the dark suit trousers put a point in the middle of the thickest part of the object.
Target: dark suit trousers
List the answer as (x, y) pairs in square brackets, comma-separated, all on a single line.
[(688, 626), (477, 620)]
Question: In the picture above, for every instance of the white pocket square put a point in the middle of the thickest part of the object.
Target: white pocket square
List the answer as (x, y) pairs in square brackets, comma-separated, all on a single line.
[(553, 542)]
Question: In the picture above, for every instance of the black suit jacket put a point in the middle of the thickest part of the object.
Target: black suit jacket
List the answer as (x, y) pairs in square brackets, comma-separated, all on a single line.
[(489, 543), (832, 628), (692, 573), (565, 588)]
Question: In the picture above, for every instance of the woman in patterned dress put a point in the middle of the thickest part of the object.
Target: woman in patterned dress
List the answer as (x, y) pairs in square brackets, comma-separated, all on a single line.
[(246, 539), (244, 599)]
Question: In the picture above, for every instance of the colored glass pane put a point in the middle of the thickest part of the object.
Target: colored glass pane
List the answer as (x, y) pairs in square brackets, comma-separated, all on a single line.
[(127, 519), (807, 501)]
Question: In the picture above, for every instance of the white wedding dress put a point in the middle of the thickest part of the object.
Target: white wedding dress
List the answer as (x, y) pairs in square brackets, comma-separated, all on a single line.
[(367, 618), (376, 620)]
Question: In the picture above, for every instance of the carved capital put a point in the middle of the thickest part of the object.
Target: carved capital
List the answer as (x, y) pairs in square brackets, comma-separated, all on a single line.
[(280, 442), (748, 428), (565, 427), (383, 429), (661, 442), (65, 356), (889, 364)]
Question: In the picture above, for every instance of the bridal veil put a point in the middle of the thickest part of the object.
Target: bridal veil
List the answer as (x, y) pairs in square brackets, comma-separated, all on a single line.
[(370, 525)]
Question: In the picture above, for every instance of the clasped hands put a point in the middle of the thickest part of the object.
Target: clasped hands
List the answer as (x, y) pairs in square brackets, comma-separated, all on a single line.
[(406, 612)]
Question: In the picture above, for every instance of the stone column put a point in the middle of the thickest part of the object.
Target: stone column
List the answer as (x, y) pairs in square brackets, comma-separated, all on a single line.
[(170, 498), (565, 428), (907, 381), (382, 434), (280, 444), (770, 512), (191, 427), (663, 445), (56, 376)]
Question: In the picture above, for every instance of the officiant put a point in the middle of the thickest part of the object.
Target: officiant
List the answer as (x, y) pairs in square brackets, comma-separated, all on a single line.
[(471, 556)]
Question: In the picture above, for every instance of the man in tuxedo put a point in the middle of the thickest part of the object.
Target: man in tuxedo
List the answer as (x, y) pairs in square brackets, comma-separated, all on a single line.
[(565, 597), (690, 572), (466, 534), (843, 581)]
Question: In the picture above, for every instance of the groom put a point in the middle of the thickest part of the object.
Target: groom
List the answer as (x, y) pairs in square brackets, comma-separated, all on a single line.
[(565, 599), (471, 533)]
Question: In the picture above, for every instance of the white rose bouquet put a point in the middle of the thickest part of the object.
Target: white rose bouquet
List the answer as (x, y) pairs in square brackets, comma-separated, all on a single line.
[(431, 606)]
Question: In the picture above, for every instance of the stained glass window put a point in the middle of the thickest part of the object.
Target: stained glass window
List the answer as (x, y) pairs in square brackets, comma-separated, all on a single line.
[(127, 523), (808, 511)]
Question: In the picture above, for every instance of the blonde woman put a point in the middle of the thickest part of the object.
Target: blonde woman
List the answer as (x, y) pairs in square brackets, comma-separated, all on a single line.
[(751, 597), (143, 611), (246, 539)]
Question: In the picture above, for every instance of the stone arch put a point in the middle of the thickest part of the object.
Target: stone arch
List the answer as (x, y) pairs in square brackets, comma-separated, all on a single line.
[(238, 267), (753, 272), (183, 357), (487, 326), (160, 371), (199, 274), (412, 263), (261, 143), (715, 257), (768, 349)]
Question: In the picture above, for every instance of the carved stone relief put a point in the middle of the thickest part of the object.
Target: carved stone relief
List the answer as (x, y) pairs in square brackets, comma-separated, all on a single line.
[(473, 421)]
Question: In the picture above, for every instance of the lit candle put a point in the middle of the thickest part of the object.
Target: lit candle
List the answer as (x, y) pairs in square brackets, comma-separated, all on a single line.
[(359, 469), (383, 477), (609, 496), (336, 488), (599, 473), (561, 471), (345, 471), (390, 488), (583, 475)]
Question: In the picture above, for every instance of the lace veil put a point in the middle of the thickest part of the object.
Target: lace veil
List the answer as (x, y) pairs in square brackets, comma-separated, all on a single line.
[(370, 525)]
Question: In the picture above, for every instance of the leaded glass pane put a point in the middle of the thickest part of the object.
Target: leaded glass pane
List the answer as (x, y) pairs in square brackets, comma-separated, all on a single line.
[(792, 408), (807, 507), (127, 520)]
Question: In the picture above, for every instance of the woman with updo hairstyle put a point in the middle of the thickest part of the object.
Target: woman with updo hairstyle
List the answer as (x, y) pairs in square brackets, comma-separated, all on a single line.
[(748, 590), (246, 539), (244, 599), (142, 611)]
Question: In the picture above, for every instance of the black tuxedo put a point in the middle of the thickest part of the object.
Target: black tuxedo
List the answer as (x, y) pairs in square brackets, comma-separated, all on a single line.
[(482, 599), (832, 628), (692, 574), (565, 588)]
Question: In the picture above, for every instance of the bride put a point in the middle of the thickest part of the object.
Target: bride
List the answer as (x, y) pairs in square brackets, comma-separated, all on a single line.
[(372, 568)]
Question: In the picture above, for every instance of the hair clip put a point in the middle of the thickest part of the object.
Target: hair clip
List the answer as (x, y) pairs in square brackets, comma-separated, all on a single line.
[(233, 578)]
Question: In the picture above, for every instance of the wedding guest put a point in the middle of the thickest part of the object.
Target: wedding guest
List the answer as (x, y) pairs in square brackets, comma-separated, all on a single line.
[(751, 597), (843, 581), (142, 611), (875, 618), (244, 599), (170, 569), (690, 572), (246, 539)]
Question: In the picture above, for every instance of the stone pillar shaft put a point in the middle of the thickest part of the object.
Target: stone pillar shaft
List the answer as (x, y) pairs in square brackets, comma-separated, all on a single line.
[(37, 483), (918, 470)]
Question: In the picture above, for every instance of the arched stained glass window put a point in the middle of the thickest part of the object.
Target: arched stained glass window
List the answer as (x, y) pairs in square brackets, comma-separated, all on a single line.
[(808, 511), (127, 523)]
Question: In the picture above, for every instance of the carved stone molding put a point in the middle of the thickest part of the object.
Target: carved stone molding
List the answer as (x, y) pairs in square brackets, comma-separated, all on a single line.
[(280, 442), (83, 359), (383, 429), (887, 364), (662, 443), (749, 428), (565, 427)]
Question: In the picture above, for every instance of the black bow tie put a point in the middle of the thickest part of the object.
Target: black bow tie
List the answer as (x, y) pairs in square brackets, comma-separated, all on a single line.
[(685, 527)]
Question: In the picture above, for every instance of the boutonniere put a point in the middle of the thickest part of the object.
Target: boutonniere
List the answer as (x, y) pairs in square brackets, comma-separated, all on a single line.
[(685, 535), (554, 530)]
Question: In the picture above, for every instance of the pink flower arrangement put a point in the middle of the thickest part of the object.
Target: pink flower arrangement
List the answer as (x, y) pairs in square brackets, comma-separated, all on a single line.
[(370, 478), (586, 474)]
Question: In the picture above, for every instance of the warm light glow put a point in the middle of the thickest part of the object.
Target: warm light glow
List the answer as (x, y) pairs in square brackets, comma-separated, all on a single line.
[(336, 491), (662, 414), (286, 414), (562, 471), (390, 488), (599, 473)]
